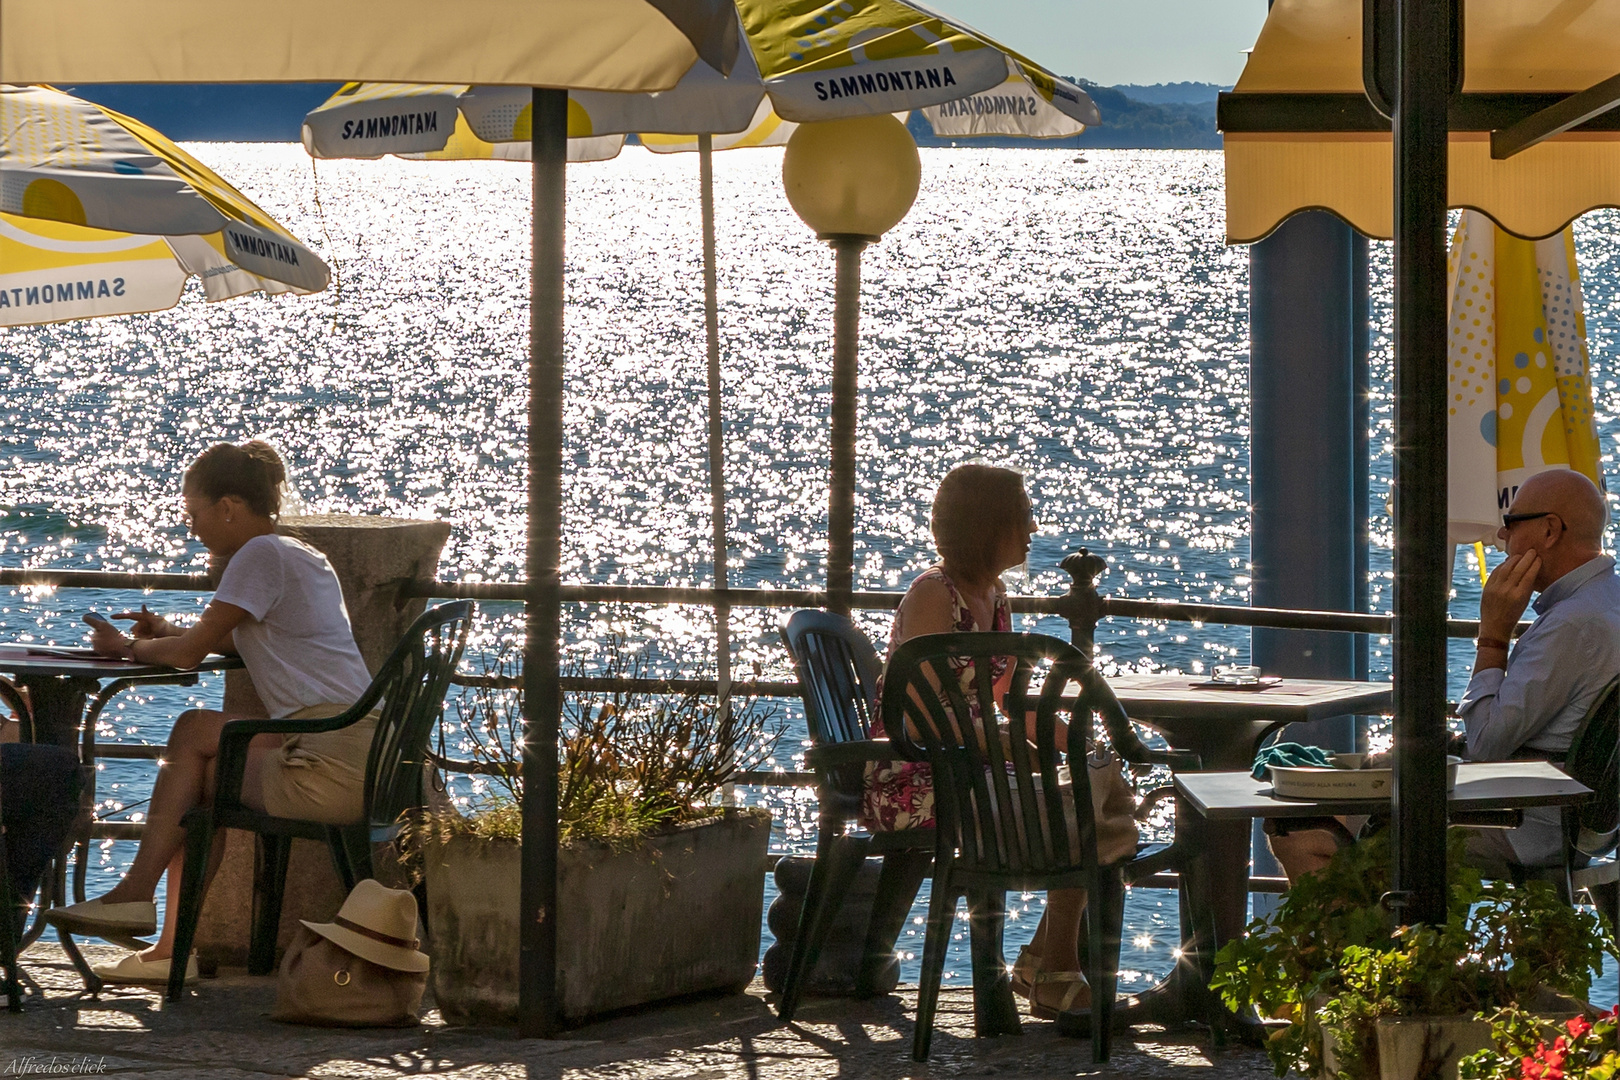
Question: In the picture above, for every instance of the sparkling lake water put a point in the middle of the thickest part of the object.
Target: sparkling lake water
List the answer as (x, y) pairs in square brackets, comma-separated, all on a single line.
[(1084, 322)]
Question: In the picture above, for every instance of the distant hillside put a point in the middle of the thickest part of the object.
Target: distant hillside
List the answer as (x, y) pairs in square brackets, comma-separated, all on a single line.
[(217, 112), (1175, 93)]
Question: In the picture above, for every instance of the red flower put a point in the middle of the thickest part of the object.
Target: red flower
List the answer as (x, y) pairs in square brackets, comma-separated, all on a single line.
[(1578, 1026)]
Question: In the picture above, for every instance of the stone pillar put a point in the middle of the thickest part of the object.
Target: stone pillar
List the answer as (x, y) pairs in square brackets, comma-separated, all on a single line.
[(1308, 458), (374, 558)]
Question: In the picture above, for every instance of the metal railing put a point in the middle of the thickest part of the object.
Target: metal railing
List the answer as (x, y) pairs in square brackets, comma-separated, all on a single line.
[(1082, 606)]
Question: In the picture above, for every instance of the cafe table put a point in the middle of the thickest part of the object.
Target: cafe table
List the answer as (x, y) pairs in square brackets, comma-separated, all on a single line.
[(61, 683), (1484, 790), (1224, 726), (1483, 787)]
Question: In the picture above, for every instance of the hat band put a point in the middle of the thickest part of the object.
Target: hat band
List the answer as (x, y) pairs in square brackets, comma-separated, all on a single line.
[(374, 935)]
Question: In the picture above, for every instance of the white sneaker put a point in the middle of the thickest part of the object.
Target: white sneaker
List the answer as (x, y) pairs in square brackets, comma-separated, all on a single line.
[(95, 917), (132, 969)]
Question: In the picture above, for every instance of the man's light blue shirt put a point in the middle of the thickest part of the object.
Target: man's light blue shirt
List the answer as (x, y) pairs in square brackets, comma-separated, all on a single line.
[(1553, 675)]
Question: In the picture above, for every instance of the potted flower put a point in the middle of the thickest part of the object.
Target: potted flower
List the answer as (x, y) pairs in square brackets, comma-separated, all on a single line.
[(1367, 999), (660, 890), (1581, 1048)]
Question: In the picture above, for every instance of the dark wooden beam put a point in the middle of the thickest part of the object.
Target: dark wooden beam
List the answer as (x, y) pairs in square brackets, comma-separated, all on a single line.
[(1572, 112), (1236, 113)]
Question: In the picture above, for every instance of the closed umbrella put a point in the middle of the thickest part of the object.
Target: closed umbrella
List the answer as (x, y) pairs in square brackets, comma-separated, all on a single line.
[(102, 215), (1520, 393)]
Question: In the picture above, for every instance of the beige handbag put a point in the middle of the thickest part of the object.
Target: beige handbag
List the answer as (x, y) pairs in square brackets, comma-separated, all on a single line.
[(1113, 804), (362, 969)]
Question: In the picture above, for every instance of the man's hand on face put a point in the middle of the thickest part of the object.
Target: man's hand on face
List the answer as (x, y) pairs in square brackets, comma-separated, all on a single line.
[(1507, 593)]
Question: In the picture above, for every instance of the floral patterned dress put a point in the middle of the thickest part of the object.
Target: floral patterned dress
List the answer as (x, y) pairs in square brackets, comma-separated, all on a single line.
[(899, 794)]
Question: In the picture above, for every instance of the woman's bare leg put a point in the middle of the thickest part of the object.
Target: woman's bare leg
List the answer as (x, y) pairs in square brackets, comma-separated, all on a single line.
[(185, 780), (253, 797), (1059, 932), (182, 783)]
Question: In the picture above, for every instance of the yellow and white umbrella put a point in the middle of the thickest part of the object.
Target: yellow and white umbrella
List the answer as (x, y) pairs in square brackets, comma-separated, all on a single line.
[(800, 61), (1521, 397), (51, 271), (101, 215)]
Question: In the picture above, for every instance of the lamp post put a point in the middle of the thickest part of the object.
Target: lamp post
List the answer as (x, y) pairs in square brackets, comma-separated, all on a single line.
[(851, 181)]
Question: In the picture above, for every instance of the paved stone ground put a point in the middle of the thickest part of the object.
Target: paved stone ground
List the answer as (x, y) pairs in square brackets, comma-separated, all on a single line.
[(223, 1033)]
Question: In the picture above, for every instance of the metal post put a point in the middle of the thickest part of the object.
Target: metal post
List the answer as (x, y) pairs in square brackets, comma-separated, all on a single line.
[(841, 493), (539, 1010), (717, 448), (1422, 573)]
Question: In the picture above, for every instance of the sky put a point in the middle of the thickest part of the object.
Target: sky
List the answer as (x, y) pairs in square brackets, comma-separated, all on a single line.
[(1122, 41)]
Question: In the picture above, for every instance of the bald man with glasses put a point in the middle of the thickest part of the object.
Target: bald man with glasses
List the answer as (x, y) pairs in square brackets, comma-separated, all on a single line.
[(1527, 702), (1526, 699)]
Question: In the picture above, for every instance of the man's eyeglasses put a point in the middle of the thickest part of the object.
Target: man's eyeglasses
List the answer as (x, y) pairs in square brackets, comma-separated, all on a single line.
[(1510, 520)]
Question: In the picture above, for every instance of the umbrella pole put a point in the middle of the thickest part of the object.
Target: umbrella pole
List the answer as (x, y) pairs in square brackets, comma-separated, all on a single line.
[(841, 489), (1422, 576), (539, 1011), (717, 451)]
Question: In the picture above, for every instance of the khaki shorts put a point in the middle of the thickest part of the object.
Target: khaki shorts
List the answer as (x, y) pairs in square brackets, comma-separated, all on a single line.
[(320, 776)]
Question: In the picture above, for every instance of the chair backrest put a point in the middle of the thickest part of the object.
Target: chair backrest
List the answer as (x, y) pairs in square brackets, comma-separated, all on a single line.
[(838, 671), (1594, 760), (411, 686), (997, 792)]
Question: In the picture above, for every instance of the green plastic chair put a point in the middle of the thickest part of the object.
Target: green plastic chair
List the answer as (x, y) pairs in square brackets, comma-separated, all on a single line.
[(838, 673), (410, 688), (1001, 821)]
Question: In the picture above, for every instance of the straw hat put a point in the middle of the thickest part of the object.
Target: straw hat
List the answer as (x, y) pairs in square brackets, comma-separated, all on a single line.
[(378, 924)]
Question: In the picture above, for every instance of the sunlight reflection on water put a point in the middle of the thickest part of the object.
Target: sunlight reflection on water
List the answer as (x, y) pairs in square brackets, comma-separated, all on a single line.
[(1083, 322)]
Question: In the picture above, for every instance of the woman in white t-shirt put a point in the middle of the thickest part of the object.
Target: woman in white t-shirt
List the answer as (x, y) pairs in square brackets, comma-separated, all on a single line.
[(280, 608)]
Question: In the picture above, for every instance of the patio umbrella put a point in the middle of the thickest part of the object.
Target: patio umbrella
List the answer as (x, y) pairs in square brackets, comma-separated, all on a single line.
[(1520, 395), (799, 62), (619, 45), (1384, 133), (102, 215), (584, 44)]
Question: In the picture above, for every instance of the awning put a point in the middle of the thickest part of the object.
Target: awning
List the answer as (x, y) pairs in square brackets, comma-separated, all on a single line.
[(636, 45), (1301, 133)]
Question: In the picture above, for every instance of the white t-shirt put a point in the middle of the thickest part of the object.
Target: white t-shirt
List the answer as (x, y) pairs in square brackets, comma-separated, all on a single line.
[(296, 642)]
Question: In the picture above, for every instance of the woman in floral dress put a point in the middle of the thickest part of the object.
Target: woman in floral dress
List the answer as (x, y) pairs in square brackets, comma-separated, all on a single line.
[(982, 522)]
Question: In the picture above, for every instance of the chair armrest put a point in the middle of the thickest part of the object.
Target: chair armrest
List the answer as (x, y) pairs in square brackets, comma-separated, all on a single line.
[(1152, 799), (235, 736), (1177, 760), (832, 755)]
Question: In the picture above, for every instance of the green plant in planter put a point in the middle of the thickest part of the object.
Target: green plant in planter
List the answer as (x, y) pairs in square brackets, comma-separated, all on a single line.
[(1331, 940), (630, 763), (1516, 944)]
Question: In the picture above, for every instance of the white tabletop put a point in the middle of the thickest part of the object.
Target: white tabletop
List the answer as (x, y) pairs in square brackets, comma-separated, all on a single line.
[(1483, 785)]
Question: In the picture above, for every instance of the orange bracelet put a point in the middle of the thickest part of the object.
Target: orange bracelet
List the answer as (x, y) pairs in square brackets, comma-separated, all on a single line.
[(1490, 643)]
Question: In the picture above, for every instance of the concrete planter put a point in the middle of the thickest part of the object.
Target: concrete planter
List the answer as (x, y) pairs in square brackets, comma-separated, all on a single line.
[(678, 915), (1428, 1046)]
